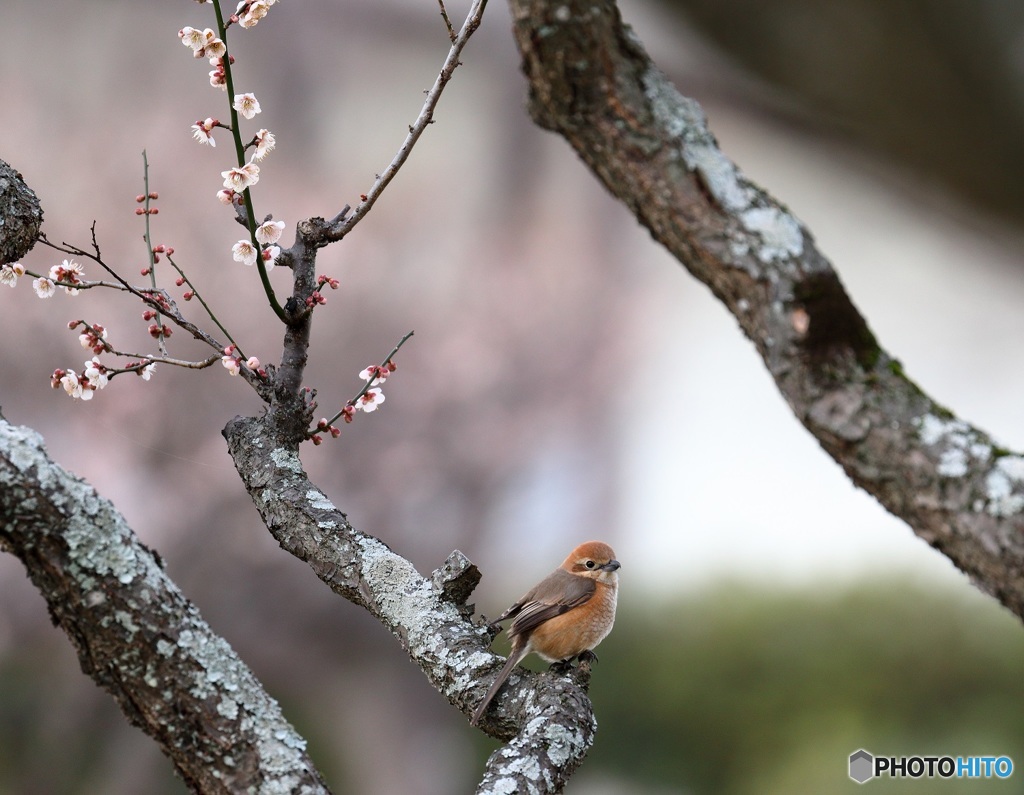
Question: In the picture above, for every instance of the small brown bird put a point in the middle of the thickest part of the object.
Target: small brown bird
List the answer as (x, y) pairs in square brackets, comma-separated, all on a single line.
[(565, 615)]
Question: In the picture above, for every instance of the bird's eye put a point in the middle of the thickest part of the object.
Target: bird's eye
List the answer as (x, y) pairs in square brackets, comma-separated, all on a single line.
[(590, 564)]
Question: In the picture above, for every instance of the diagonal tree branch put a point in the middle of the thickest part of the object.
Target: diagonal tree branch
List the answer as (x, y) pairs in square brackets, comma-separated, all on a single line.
[(591, 81), (137, 635), (547, 717)]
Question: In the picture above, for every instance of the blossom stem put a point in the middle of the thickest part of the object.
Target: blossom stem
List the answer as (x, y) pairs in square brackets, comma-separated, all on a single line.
[(426, 117), (149, 246), (369, 381), (236, 135), (206, 306)]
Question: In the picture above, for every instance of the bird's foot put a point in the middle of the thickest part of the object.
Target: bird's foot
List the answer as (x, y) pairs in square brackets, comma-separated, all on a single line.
[(561, 666)]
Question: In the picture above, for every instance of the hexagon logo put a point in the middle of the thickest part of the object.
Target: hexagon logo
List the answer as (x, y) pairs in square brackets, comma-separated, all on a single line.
[(862, 766)]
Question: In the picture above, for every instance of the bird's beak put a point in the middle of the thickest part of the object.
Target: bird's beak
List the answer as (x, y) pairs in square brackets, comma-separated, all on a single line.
[(611, 565)]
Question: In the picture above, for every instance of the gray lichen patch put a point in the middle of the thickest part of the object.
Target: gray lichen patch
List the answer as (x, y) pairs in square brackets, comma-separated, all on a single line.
[(318, 500), (769, 233), (958, 444), (960, 448), (284, 458), (780, 233), (1005, 486)]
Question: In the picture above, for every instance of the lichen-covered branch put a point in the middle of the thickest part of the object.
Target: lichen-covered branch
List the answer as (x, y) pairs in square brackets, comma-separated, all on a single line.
[(591, 81), (137, 635), (547, 717)]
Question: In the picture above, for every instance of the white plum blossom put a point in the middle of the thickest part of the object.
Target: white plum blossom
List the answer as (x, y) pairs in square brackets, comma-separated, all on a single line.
[(245, 252), (147, 372), (265, 143), (95, 373), (204, 43), (246, 104), (231, 364), (69, 272), (44, 287), (270, 255), (10, 273), (252, 363), (218, 78), (90, 338), (370, 401), (257, 9), (269, 232), (377, 373), (238, 179), (72, 385), (226, 196), (202, 131), (215, 50), (191, 37)]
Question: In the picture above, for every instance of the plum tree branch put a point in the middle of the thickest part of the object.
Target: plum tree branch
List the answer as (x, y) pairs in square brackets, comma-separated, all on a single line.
[(137, 635), (591, 81), (547, 717)]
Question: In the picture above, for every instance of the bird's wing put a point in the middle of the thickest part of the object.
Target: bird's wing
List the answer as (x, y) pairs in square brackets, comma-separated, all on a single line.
[(557, 593)]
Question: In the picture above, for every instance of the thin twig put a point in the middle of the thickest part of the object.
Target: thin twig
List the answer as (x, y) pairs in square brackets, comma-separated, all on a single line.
[(169, 360), (447, 21), (161, 344), (369, 381), (167, 304), (206, 306), (426, 117)]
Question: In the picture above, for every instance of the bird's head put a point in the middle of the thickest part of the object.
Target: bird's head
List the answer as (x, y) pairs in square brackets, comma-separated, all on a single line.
[(595, 560)]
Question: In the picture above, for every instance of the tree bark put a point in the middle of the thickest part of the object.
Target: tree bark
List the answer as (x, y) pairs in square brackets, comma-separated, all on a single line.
[(591, 81), (137, 635)]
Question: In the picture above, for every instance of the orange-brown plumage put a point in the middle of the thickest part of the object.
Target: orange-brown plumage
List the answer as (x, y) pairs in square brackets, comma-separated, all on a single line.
[(565, 615)]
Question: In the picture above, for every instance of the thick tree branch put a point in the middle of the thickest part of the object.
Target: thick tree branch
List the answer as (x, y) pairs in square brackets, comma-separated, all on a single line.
[(592, 82), (548, 717), (137, 635)]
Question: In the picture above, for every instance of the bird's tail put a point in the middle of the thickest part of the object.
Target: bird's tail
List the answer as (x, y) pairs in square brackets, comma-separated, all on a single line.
[(514, 658)]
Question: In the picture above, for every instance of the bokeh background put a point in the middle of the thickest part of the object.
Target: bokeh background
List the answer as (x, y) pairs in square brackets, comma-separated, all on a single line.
[(567, 381)]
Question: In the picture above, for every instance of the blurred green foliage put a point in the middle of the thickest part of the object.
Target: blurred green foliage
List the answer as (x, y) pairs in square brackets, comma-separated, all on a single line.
[(740, 690)]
